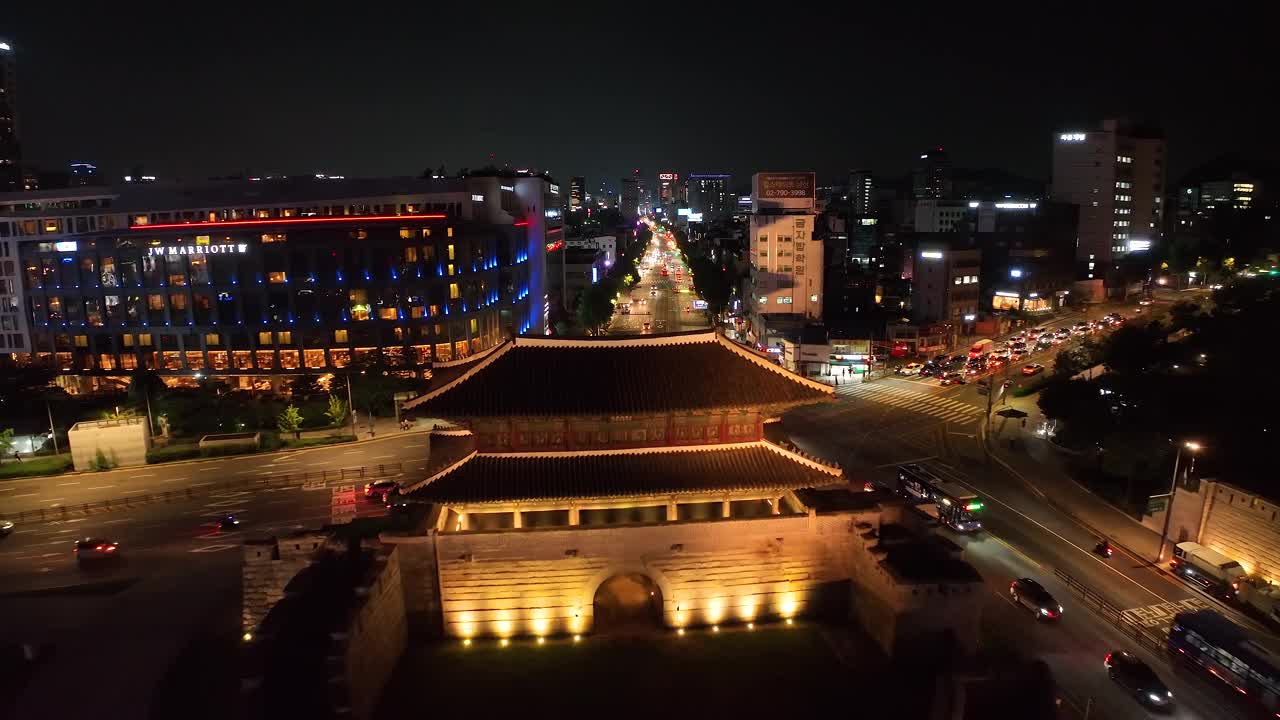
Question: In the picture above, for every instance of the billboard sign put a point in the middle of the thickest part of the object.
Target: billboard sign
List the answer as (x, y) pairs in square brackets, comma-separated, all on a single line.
[(699, 304), (784, 190)]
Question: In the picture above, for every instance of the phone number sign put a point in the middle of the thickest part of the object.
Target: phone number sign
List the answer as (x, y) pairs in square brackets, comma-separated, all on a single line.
[(783, 186)]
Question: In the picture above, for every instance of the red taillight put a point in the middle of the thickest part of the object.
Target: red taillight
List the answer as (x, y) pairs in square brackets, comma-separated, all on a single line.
[(1107, 659)]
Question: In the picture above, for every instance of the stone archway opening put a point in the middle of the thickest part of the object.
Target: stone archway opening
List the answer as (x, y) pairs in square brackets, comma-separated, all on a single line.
[(627, 603)]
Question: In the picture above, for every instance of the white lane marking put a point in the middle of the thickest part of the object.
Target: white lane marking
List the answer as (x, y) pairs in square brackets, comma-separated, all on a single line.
[(100, 487), (177, 479), (25, 495), (416, 445), (201, 484), (248, 472), (53, 500), (70, 483), (351, 452), (379, 457), (1088, 553), (138, 475), (133, 492), (212, 548), (213, 467), (50, 554), (113, 522)]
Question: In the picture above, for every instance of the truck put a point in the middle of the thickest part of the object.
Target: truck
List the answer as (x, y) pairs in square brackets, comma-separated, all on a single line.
[(981, 348), (1208, 569), (1261, 595)]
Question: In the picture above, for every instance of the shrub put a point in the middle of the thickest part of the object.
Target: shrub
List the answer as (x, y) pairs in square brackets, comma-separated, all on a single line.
[(185, 451), (41, 465), (222, 450), (314, 441), (1034, 386)]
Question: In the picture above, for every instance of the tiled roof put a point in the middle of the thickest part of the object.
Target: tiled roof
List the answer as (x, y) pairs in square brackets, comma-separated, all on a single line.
[(612, 376), (621, 473)]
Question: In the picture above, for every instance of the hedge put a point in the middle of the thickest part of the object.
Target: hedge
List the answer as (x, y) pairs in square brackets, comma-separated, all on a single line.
[(173, 452), (39, 465), (1034, 386)]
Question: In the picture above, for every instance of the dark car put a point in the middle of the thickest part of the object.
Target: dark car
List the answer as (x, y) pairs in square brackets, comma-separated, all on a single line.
[(228, 522), (1032, 595), (88, 550), (1133, 675), (931, 369), (379, 489), (953, 378), (6, 527)]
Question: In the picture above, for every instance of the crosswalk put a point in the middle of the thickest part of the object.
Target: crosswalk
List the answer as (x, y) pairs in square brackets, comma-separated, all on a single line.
[(927, 402)]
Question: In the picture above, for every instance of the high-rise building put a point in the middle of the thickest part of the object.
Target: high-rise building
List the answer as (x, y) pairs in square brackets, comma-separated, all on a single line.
[(630, 203), (1116, 176), (10, 150), (932, 176), (668, 188), (253, 280), (709, 195), (862, 193), (786, 260), (577, 193)]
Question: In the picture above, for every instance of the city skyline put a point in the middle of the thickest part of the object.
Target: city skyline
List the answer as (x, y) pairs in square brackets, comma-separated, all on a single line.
[(302, 95)]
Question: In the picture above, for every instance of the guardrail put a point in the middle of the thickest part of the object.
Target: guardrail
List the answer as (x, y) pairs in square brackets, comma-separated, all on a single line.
[(260, 482), (1106, 610)]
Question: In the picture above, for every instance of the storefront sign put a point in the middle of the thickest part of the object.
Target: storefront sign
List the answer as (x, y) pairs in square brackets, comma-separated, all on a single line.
[(227, 249)]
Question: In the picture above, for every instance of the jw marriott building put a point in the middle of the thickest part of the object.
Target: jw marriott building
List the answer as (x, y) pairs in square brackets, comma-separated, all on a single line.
[(255, 279)]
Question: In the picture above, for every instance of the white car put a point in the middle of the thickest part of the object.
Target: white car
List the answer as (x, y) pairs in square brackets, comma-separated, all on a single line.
[(6, 527), (909, 369)]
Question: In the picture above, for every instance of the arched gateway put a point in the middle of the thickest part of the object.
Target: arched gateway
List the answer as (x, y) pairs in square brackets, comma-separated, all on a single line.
[(627, 602)]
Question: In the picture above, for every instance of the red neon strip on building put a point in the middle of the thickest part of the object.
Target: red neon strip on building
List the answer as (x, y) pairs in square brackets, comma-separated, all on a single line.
[(285, 221), (555, 230), (522, 223)]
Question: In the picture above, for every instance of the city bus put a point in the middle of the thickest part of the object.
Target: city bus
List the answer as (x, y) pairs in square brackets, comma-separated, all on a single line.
[(958, 508), (1222, 649)]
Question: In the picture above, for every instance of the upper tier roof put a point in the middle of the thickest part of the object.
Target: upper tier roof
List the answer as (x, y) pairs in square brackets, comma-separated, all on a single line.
[(615, 376)]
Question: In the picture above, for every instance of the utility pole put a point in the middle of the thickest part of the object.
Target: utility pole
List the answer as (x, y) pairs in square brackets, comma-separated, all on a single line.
[(151, 425), (53, 433), (351, 407)]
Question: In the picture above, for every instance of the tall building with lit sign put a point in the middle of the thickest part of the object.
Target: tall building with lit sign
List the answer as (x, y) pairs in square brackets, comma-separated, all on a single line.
[(254, 280), (10, 150), (1116, 175), (709, 195), (862, 193), (945, 284), (932, 175), (786, 260)]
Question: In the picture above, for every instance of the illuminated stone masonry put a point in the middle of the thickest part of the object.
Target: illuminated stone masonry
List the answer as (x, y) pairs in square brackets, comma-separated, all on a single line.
[(594, 460)]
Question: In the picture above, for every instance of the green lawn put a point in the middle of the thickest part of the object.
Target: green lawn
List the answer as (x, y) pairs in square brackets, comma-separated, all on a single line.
[(660, 674), (43, 465)]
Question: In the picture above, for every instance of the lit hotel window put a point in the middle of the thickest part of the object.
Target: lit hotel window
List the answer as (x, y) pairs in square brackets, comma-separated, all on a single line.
[(276, 277), (274, 237), (284, 337), (387, 313), (264, 338), (406, 233), (211, 339), (453, 290)]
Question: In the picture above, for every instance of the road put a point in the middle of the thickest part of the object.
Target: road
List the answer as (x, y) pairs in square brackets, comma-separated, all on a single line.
[(66, 490), (876, 425), (664, 303)]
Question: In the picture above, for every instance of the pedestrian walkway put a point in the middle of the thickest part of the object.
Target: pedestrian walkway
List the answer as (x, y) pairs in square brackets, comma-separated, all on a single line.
[(1045, 468), (926, 402)]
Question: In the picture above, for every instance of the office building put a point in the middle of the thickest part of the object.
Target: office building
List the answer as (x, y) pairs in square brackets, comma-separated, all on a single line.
[(862, 193), (630, 202), (932, 175), (577, 193), (785, 287), (1116, 176), (945, 283), (932, 215), (10, 150), (709, 195), (256, 280)]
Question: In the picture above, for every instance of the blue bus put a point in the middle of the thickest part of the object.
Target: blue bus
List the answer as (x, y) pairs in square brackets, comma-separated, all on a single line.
[(1222, 649)]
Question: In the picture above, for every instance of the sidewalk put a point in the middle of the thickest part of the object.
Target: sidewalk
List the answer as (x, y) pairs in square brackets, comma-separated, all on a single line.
[(1043, 467)]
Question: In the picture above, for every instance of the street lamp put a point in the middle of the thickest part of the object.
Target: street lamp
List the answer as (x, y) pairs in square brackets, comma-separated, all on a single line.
[(1193, 447)]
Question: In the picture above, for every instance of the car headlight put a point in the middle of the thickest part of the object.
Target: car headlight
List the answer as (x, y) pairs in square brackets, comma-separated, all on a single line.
[(1059, 609), (1043, 611), (1154, 697)]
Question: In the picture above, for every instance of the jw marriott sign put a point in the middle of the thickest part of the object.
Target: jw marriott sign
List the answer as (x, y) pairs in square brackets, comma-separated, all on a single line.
[(228, 248)]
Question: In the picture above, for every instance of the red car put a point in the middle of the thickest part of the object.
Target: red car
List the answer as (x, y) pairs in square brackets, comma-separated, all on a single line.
[(1032, 369)]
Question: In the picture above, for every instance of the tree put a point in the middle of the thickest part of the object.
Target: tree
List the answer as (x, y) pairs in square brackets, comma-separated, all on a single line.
[(289, 421), (337, 411), (6, 442)]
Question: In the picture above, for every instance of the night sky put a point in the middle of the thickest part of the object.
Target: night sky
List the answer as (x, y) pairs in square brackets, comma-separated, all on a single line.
[(597, 91)]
